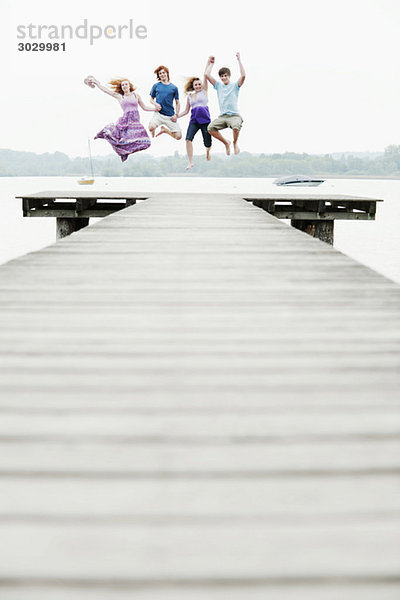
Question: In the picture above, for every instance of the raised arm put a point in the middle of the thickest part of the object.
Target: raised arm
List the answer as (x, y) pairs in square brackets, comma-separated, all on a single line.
[(242, 77), (205, 80), (155, 108), (92, 82), (207, 72)]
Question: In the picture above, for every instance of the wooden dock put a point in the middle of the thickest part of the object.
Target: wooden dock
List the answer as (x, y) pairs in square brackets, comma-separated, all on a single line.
[(314, 214), (198, 402)]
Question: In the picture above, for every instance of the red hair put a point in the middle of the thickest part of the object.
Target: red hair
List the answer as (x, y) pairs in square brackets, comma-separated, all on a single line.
[(161, 68), (116, 85)]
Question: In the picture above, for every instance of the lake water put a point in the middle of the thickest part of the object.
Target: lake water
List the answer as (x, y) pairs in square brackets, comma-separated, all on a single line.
[(374, 243)]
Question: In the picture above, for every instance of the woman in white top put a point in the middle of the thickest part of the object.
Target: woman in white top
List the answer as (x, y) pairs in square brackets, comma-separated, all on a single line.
[(197, 102)]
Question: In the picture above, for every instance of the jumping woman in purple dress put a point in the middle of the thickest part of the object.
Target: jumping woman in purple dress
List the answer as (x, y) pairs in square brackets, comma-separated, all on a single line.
[(127, 135)]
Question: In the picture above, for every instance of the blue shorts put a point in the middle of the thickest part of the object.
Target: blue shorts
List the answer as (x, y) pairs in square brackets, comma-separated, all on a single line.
[(193, 129)]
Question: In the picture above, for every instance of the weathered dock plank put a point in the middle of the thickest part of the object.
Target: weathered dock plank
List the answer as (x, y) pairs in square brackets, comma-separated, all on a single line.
[(199, 402), (313, 498), (216, 551), (130, 458)]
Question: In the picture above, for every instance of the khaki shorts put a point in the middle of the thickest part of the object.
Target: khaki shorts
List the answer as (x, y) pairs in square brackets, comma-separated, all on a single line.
[(164, 120), (224, 121)]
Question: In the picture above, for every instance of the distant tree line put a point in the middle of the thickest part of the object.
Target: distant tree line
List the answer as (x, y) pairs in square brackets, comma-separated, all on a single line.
[(14, 163)]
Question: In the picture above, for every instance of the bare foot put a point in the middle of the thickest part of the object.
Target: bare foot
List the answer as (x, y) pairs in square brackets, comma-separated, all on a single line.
[(236, 148), (190, 165), (228, 148), (162, 130), (208, 154)]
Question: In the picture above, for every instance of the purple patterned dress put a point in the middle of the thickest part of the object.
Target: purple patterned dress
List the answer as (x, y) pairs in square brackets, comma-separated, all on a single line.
[(127, 135)]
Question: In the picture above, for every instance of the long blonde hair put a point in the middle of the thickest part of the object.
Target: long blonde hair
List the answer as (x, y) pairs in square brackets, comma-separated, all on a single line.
[(189, 84), (116, 85)]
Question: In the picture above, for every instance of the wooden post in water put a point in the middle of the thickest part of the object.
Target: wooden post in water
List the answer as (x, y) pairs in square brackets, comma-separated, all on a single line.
[(321, 229), (67, 225)]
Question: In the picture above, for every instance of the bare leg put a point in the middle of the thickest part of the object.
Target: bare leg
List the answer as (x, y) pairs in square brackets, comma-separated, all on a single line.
[(236, 148), (221, 138), (163, 129), (189, 150), (152, 128), (176, 134), (208, 153)]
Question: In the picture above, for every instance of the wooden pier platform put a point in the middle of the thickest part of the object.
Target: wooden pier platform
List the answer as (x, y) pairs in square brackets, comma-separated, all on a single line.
[(314, 214), (198, 402)]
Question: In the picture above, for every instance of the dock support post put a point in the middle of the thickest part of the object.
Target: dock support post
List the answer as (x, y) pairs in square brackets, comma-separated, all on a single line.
[(67, 225), (321, 229)]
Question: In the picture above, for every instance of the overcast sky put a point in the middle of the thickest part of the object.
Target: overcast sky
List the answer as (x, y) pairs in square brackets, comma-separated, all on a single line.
[(322, 76)]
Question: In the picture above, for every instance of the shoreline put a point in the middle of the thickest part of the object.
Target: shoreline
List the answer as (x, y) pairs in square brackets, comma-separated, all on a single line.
[(195, 175)]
